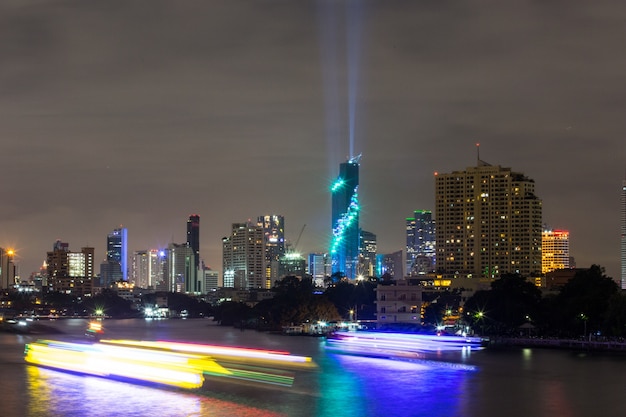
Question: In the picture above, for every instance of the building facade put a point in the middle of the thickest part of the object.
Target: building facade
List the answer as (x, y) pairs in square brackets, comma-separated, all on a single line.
[(7, 269), (400, 302), (316, 267), (489, 222), (392, 265), (180, 271), (243, 257), (554, 250), (344, 249), (117, 254), (420, 243), (273, 226), (193, 239), (148, 268), (70, 272), (367, 259)]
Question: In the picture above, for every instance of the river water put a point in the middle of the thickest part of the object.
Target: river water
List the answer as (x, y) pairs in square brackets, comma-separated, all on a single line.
[(487, 383)]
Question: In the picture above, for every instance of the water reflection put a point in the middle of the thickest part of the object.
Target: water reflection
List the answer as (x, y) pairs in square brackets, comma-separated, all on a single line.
[(54, 393), (372, 386)]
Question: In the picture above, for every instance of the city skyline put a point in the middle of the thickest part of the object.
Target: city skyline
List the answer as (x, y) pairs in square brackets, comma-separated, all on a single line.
[(232, 110)]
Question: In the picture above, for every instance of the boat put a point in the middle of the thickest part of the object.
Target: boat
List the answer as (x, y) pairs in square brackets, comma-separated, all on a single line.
[(393, 344)]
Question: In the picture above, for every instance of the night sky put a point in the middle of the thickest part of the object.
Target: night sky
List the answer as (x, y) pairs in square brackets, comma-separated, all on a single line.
[(140, 113)]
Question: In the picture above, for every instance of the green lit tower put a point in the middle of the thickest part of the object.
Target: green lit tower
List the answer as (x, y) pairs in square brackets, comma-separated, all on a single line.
[(344, 248)]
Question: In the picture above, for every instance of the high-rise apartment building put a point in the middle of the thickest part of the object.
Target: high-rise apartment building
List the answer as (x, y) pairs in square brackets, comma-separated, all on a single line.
[(367, 258), (420, 243), (623, 236), (273, 226), (70, 272), (344, 248), (243, 257), (554, 250), (117, 254), (488, 223), (148, 266), (7, 269), (179, 269)]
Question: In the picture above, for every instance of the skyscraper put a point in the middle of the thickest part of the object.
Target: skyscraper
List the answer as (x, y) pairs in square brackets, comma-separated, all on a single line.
[(193, 236), (243, 257), (7, 269), (488, 223), (623, 236), (117, 254), (420, 243), (273, 226), (344, 248), (317, 268), (554, 250), (193, 241), (148, 268), (367, 258), (180, 273)]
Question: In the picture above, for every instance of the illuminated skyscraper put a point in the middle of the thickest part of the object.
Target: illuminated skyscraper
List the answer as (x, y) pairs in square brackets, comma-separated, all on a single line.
[(273, 226), (244, 257), (554, 250), (148, 268), (420, 243), (117, 254), (488, 223), (344, 248), (180, 272), (368, 249), (623, 236)]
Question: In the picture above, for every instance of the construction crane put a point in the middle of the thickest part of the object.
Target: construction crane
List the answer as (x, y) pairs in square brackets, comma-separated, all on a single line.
[(295, 247)]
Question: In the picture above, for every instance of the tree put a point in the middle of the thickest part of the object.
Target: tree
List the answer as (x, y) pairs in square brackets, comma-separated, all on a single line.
[(511, 302), (582, 304)]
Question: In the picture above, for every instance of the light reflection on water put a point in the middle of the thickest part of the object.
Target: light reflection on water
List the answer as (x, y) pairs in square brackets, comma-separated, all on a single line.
[(382, 387), (489, 383), (55, 393)]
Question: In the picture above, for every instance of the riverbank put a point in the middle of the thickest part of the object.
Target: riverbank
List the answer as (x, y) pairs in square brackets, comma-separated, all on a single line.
[(564, 344)]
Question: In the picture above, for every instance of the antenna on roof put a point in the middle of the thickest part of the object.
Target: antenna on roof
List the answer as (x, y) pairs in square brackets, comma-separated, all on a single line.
[(477, 153)]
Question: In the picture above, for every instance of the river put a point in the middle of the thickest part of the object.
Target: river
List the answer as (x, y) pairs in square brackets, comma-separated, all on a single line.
[(504, 382)]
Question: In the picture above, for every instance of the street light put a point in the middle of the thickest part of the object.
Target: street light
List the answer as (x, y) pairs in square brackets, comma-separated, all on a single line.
[(584, 318)]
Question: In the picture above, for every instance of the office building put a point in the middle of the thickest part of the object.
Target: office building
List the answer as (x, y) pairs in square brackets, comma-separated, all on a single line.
[(70, 272), (392, 265), (193, 238), (148, 268), (273, 226), (367, 258), (243, 257), (420, 243), (317, 268), (180, 272), (117, 254), (488, 223), (554, 250), (344, 248)]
